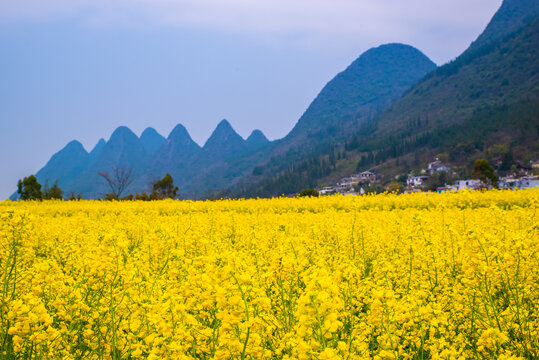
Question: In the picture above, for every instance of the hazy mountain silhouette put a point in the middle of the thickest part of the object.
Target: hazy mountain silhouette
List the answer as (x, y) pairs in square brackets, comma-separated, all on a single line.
[(123, 149), (352, 99), (98, 148), (256, 140), (224, 142), (151, 140), (365, 88), (64, 166), (511, 16)]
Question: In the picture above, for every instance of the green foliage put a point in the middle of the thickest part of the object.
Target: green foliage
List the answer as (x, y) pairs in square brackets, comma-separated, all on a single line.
[(164, 188), (366, 88), (507, 161), (483, 171), (142, 196), (458, 142), (496, 150), (497, 73), (509, 18), (292, 179), (308, 193), (54, 192), (258, 170), (485, 98), (443, 157), (394, 187), (74, 196), (111, 196), (436, 180), (29, 189)]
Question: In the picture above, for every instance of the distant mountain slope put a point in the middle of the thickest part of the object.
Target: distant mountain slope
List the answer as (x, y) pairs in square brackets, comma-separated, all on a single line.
[(496, 78), (64, 166), (364, 89), (350, 101), (176, 156), (98, 148), (176, 152), (225, 158), (512, 15), (497, 73), (124, 149), (151, 140), (256, 140), (223, 142)]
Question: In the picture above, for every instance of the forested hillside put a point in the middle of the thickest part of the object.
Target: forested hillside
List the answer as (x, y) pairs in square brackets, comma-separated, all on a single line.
[(488, 96)]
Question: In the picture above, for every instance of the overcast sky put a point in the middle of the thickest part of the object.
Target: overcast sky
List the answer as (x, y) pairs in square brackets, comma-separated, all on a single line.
[(77, 69)]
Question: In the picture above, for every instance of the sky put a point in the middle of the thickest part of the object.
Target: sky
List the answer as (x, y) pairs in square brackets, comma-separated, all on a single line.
[(78, 69)]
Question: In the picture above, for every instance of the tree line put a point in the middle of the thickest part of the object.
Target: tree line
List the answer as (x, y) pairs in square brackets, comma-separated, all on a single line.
[(118, 180)]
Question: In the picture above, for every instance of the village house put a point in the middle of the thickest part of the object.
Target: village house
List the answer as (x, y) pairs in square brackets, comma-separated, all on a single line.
[(470, 184), (416, 181), (508, 182), (347, 183), (515, 182), (327, 190), (366, 177), (446, 188), (528, 182), (436, 166), (524, 167), (497, 161)]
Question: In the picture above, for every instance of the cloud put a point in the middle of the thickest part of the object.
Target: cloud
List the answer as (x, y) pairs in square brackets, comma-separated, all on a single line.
[(372, 21), (340, 16)]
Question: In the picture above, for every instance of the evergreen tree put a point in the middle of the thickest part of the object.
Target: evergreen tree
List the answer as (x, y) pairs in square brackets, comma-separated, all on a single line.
[(54, 192), (483, 171), (29, 189), (507, 161), (164, 188)]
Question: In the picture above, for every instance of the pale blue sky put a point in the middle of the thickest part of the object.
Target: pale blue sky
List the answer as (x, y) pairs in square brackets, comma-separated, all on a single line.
[(77, 69)]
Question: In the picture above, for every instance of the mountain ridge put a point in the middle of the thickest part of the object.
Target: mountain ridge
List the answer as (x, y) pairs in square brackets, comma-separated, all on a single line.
[(151, 140), (388, 103), (488, 76), (226, 157)]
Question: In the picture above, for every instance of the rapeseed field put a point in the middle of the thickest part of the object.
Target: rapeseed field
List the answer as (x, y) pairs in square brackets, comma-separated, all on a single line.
[(416, 276)]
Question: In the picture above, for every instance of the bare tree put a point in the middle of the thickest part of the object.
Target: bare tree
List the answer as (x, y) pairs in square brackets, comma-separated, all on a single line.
[(118, 180)]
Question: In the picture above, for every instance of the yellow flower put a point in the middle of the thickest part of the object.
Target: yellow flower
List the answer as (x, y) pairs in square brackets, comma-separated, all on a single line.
[(283, 278)]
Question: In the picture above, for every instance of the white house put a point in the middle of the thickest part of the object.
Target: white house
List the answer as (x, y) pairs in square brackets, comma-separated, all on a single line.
[(327, 190), (416, 181), (347, 183), (471, 184), (446, 188), (528, 182), (436, 166), (509, 182), (366, 176)]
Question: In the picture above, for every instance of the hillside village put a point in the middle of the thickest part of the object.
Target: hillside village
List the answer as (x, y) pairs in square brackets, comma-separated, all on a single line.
[(521, 175)]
